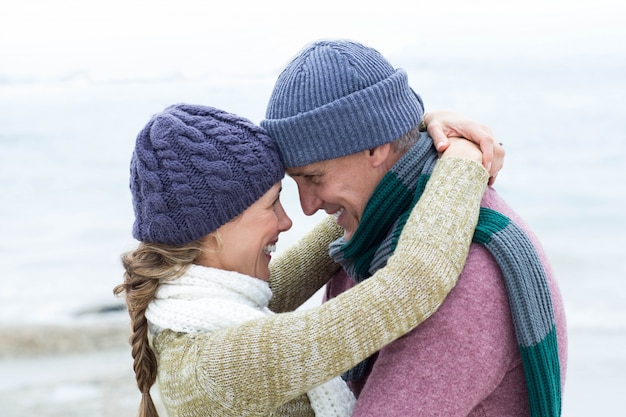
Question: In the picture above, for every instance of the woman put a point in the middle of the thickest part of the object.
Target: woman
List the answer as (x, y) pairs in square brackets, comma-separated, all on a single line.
[(206, 188)]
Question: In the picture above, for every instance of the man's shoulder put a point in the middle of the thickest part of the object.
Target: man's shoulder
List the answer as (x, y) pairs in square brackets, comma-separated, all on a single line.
[(493, 200)]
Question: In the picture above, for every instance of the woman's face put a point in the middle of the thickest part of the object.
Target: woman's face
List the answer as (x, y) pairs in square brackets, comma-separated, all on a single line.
[(248, 240)]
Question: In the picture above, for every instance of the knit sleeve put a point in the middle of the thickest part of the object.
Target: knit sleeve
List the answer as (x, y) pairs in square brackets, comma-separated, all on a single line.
[(303, 268), (264, 363)]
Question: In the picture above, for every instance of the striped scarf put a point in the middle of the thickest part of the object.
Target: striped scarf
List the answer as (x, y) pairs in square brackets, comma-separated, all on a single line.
[(376, 238)]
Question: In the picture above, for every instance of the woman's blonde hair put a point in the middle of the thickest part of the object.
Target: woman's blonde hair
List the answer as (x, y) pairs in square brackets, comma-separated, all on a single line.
[(146, 267)]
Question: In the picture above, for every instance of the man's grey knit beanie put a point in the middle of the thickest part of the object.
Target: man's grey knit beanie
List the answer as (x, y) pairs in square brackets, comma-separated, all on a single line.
[(337, 98)]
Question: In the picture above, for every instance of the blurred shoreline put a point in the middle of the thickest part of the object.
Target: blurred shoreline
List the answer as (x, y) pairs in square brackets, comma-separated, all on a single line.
[(32, 340)]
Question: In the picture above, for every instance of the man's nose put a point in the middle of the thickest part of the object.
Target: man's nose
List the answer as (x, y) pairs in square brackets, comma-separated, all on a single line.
[(309, 202)]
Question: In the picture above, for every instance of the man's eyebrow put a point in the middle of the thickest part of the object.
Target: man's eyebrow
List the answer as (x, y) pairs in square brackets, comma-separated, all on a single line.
[(303, 173)]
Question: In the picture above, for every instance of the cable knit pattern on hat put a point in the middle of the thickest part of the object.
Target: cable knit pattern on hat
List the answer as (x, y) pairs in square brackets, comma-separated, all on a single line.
[(337, 98), (195, 168)]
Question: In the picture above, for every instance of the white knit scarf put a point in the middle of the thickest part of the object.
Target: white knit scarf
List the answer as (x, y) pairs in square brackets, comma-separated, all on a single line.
[(206, 299)]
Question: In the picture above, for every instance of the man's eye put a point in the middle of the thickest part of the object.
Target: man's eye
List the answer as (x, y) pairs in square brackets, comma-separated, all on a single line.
[(315, 179)]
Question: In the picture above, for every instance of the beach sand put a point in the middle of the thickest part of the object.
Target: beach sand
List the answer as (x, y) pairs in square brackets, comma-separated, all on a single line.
[(65, 371)]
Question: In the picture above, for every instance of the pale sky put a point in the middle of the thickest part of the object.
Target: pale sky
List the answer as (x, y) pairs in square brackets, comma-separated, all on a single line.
[(134, 38)]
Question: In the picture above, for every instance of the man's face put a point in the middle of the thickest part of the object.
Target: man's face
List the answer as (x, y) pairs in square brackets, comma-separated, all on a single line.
[(340, 186)]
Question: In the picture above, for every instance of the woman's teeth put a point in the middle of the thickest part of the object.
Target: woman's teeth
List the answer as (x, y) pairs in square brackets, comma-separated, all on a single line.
[(269, 249)]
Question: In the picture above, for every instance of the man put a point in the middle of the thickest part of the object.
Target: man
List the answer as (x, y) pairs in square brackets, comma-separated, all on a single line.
[(348, 127)]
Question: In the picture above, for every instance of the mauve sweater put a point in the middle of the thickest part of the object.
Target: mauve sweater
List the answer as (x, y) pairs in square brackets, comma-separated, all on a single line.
[(464, 360)]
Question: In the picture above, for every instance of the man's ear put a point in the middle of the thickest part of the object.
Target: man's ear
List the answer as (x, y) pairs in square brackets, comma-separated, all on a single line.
[(379, 155)]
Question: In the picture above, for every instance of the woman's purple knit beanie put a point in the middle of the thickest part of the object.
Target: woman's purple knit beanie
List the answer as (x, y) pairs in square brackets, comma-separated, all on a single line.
[(195, 168)]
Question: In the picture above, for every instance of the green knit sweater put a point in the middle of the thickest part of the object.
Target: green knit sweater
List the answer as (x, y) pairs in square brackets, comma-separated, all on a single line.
[(264, 367)]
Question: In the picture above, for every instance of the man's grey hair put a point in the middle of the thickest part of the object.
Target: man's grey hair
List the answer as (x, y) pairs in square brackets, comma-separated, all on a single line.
[(406, 141)]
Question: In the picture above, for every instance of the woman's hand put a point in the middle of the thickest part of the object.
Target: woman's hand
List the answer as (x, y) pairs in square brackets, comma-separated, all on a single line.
[(462, 148), (443, 124)]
